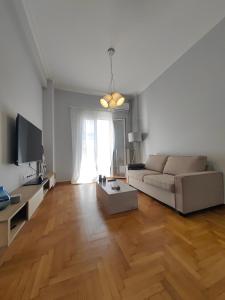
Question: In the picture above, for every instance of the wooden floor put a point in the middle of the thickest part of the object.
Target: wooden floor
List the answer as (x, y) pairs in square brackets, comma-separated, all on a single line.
[(71, 250)]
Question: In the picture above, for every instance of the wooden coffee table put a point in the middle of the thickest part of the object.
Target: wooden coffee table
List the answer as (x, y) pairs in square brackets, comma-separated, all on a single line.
[(114, 201)]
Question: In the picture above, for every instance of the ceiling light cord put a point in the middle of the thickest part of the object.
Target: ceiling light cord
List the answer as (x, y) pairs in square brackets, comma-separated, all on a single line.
[(113, 99), (112, 83)]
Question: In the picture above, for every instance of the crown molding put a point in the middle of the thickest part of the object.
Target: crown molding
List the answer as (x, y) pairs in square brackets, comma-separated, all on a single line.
[(27, 23), (77, 90), (88, 91), (25, 19)]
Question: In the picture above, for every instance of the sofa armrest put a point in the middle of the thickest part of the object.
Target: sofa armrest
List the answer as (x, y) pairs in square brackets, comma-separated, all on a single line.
[(196, 191), (138, 166)]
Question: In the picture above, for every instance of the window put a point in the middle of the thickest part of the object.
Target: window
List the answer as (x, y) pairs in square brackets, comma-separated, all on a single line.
[(96, 147)]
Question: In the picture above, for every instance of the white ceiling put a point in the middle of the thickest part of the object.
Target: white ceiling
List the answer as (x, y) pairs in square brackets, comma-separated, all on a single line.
[(149, 35)]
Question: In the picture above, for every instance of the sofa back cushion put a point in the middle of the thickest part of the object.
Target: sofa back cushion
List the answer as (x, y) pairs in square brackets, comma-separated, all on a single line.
[(156, 162), (185, 164)]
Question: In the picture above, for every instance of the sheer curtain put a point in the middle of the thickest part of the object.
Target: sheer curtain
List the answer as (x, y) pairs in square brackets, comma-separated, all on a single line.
[(92, 144)]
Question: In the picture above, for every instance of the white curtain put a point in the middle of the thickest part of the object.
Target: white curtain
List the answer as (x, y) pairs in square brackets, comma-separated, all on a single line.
[(76, 130), (92, 144)]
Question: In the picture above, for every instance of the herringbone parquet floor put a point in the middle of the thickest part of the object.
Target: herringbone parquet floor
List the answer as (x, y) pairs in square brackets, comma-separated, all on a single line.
[(72, 250)]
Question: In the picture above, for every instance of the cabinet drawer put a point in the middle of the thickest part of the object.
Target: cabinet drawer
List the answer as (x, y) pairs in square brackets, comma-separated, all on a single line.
[(35, 202)]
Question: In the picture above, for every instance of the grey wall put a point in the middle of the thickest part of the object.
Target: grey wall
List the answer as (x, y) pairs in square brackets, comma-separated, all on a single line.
[(49, 125), (135, 125), (20, 91), (183, 111), (134, 114), (64, 100)]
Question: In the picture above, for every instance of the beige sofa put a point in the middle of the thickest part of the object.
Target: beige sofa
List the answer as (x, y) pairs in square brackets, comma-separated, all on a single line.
[(181, 182)]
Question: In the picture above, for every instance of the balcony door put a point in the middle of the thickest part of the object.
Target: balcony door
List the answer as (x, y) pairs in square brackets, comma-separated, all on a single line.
[(119, 153)]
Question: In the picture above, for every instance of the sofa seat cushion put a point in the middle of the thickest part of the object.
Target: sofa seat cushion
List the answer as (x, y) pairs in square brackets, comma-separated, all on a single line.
[(156, 162), (163, 181), (140, 174), (185, 164)]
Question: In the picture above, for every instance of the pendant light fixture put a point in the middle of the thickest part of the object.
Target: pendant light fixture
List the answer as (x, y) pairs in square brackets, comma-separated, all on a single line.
[(112, 99)]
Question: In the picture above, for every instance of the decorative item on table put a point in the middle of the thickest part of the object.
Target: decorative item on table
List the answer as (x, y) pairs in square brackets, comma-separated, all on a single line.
[(104, 179), (15, 198), (4, 198), (41, 165), (100, 178), (115, 186)]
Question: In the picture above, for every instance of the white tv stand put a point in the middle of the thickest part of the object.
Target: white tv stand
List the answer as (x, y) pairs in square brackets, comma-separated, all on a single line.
[(15, 216)]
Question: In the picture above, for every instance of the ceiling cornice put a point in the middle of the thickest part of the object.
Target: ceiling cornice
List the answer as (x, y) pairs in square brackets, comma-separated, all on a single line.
[(87, 92), (32, 40)]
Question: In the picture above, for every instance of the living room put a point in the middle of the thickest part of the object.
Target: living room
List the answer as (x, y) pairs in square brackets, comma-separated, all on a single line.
[(112, 149)]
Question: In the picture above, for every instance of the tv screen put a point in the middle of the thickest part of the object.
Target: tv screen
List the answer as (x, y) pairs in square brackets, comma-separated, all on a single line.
[(29, 141)]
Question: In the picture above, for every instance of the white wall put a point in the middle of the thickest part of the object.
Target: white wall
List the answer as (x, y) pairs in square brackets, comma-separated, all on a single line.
[(183, 111), (20, 92)]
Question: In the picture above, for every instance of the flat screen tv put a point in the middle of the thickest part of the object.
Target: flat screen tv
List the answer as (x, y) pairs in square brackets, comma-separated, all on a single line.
[(28, 141)]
